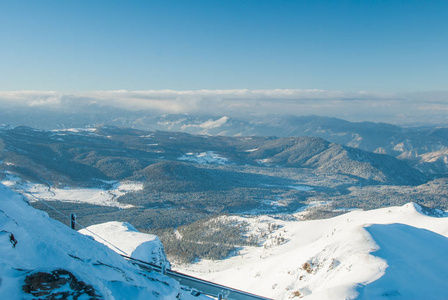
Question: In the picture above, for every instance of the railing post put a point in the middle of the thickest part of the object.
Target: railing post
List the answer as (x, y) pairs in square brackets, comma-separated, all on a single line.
[(72, 221)]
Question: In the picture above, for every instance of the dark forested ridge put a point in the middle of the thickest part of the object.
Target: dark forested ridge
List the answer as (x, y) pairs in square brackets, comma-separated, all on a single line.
[(189, 178), (118, 154)]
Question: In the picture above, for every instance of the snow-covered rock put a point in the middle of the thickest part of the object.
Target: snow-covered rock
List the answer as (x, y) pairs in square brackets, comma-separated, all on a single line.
[(433, 162), (123, 238), (42, 258)]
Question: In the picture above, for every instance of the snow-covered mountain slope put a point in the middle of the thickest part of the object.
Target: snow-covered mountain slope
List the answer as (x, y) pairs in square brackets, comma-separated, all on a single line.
[(125, 237), (433, 162), (42, 258), (397, 252)]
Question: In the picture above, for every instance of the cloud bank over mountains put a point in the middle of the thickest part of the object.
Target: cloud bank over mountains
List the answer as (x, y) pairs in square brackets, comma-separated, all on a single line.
[(422, 107)]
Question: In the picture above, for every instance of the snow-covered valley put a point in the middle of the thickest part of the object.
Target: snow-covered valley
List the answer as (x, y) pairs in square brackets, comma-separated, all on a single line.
[(97, 196)]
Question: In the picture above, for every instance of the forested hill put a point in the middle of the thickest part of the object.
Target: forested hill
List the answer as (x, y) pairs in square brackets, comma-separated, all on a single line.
[(81, 157)]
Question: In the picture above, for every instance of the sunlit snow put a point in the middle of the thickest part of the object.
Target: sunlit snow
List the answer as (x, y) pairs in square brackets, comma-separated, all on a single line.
[(396, 251), (123, 238)]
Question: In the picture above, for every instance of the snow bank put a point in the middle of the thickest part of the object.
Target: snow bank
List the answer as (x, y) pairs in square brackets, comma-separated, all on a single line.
[(146, 247), (32, 244)]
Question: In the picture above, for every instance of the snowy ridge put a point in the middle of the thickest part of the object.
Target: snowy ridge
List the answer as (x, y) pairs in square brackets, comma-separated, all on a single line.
[(362, 254), (36, 247), (441, 155)]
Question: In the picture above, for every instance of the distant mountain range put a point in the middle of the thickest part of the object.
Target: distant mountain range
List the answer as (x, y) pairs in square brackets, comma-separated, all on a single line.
[(164, 159), (425, 147), (200, 173)]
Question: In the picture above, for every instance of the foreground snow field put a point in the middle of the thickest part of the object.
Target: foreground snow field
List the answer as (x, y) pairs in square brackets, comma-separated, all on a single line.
[(42, 258), (396, 252)]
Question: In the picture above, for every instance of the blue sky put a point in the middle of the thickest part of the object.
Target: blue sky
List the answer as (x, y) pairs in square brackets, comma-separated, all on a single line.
[(73, 46)]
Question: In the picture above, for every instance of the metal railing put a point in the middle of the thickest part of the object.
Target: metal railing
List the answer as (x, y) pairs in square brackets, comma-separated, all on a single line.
[(202, 286)]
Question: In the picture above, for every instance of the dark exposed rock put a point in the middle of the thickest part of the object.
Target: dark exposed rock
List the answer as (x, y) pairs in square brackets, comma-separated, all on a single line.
[(59, 284), (12, 239)]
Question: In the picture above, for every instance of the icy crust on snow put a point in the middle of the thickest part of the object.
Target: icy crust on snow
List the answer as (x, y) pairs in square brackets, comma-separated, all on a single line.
[(45, 245), (124, 236), (389, 252)]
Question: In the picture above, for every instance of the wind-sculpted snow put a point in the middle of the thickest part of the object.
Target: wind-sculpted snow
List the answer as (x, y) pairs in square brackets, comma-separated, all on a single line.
[(36, 248), (389, 252), (416, 259)]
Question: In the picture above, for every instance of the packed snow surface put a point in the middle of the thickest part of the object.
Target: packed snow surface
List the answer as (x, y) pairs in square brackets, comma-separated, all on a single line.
[(32, 244), (123, 238), (396, 252)]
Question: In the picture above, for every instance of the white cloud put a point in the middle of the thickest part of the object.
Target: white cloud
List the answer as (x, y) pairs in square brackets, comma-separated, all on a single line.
[(354, 106), (47, 101)]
